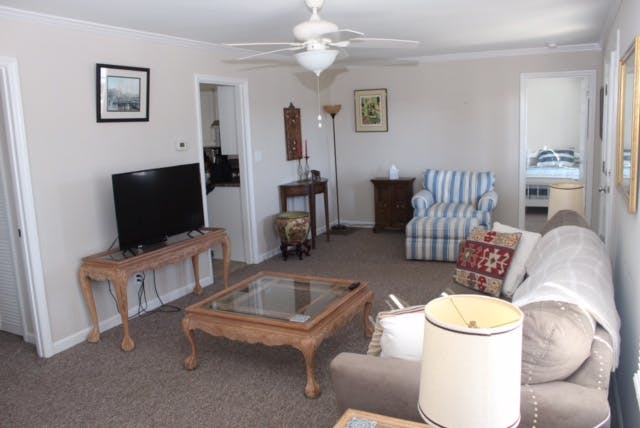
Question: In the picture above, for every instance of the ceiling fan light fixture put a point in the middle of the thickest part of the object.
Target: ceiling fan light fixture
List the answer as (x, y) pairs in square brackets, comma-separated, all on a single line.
[(317, 60)]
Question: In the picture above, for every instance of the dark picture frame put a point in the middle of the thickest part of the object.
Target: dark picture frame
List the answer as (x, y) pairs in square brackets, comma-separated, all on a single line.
[(122, 93), (371, 110), (292, 132)]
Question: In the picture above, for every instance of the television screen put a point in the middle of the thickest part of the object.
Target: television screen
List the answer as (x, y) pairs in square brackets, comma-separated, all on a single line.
[(154, 204)]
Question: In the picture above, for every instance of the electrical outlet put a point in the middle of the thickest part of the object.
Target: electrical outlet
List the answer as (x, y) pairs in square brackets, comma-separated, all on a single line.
[(139, 279), (181, 146)]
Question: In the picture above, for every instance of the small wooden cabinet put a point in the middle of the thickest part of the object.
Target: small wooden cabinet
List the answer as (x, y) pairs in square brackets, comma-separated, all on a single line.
[(392, 199)]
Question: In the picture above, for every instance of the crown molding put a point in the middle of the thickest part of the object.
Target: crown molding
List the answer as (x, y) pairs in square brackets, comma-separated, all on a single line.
[(464, 56), (21, 15)]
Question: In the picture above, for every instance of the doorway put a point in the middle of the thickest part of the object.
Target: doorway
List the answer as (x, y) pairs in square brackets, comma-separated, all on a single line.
[(556, 139), (223, 126), (31, 295)]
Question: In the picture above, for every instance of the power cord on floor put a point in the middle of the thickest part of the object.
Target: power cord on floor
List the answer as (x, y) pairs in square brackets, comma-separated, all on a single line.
[(164, 307)]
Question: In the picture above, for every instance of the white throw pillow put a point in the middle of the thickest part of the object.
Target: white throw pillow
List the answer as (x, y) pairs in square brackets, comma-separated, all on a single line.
[(517, 270), (402, 335)]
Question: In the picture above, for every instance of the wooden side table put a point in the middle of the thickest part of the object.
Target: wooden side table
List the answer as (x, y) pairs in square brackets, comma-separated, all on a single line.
[(118, 266), (381, 421), (308, 188), (392, 201)]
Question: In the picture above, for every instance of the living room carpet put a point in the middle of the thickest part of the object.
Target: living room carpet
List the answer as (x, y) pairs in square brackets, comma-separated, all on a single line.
[(235, 384)]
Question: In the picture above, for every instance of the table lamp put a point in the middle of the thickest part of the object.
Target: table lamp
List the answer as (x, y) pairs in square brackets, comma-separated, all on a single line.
[(471, 362), (566, 196)]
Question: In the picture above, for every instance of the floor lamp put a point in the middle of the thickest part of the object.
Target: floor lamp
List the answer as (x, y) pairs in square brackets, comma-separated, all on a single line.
[(333, 110)]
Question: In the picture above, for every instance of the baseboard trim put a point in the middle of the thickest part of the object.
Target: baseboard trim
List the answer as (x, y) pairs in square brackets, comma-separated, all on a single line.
[(115, 320)]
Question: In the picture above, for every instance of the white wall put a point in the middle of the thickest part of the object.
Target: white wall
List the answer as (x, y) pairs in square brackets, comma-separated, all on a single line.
[(625, 240), (458, 115), (72, 157), (553, 125)]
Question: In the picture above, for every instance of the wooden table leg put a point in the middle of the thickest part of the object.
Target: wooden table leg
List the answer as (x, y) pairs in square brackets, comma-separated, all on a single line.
[(312, 214), (226, 259), (85, 282), (308, 347), (368, 328), (326, 210), (120, 282), (195, 261), (191, 362)]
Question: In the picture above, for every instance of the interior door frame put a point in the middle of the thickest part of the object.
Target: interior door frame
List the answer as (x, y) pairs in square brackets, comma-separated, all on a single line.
[(22, 193), (587, 159), (609, 140), (244, 156)]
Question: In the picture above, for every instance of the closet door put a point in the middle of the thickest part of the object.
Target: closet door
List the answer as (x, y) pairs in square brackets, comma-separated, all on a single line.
[(10, 311)]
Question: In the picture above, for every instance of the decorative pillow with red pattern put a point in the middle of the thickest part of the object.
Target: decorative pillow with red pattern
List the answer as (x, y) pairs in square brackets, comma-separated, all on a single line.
[(484, 259)]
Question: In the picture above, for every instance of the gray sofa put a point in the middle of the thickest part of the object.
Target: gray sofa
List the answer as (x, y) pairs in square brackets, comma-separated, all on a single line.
[(566, 364)]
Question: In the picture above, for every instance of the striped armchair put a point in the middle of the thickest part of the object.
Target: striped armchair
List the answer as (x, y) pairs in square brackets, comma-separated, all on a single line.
[(446, 209)]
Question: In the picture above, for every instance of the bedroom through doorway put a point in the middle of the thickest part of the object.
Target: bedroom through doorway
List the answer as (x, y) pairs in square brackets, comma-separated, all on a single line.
[(556, 141)]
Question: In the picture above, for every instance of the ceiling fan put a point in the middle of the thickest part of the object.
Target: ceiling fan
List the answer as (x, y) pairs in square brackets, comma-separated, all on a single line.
[(319, 41)]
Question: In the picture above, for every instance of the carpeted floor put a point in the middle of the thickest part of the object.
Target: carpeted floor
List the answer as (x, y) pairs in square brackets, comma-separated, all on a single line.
[(235, 385)]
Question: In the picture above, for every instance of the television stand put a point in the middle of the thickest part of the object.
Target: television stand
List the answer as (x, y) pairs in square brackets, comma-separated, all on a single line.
[(116, 266)]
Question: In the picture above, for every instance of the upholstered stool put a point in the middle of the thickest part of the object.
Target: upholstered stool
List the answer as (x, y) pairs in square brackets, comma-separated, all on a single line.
[(437, 238), (293, 229)]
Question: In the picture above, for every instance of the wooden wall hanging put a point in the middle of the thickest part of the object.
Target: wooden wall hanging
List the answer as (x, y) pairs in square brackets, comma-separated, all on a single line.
[(292, 132)]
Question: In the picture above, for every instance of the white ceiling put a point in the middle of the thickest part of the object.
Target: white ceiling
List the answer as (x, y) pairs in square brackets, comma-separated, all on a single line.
[(442, 26)]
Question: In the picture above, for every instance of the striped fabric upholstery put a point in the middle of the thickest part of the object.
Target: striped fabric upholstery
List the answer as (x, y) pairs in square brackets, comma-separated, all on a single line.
[(458, 186), (445, 211), (437, 238)]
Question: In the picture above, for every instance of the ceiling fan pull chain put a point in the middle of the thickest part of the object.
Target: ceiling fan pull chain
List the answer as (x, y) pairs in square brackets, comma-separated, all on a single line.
[(318, 96)]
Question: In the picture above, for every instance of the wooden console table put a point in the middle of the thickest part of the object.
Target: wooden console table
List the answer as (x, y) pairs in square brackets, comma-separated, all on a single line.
[(118, 266), (310, 189)]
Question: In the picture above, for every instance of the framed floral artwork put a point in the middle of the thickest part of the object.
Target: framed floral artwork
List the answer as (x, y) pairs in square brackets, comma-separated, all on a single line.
[(371, 110)]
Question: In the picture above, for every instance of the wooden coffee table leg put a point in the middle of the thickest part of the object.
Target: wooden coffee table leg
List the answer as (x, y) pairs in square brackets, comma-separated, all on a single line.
[(308, 347), (195, 261), (191, 362), (368, 328)]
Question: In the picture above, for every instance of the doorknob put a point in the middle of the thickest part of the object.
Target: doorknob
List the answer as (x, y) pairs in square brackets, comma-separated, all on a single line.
[(603, 189)]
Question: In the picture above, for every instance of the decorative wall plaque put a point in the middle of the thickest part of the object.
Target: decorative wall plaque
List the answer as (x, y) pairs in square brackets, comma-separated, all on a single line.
[(292, 132)]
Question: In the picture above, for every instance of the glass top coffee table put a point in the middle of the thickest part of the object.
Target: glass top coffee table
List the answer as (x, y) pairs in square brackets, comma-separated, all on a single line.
[(280, 309)]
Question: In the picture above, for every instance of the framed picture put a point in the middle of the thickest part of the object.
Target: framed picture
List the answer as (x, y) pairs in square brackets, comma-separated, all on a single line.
[(371, 110), (122, 93), (292, 132)]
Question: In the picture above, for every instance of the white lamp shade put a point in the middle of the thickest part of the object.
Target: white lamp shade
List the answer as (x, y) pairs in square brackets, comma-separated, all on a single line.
[(566, 196), (317, 60), (471, 376)]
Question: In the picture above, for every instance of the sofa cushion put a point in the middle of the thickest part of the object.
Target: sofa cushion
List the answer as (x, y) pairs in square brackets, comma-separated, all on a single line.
[(515, 274), (446, 209), (563, 404), (398, 334), (556, 340), (484, 259)]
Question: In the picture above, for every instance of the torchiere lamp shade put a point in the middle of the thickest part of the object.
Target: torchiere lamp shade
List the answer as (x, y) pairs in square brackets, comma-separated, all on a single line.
[(566, 196), (471, 362)]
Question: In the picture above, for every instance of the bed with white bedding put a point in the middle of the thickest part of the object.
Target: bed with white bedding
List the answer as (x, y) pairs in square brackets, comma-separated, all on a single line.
[(545, 168)]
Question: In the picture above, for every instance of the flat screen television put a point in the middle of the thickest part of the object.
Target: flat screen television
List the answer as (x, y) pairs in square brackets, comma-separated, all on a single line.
[(153, 204)]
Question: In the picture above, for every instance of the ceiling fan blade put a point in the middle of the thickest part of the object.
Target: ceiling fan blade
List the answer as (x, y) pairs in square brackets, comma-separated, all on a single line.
[(341, 35), (264, 44), (271, 52), (377, 43)]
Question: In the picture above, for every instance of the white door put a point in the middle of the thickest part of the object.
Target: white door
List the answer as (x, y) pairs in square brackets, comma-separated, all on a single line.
[(11, 310), (608, 114)]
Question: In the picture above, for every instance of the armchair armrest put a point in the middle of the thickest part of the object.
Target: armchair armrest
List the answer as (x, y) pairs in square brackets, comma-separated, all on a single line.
[(420, 201), (388, 386), (488, 201)]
